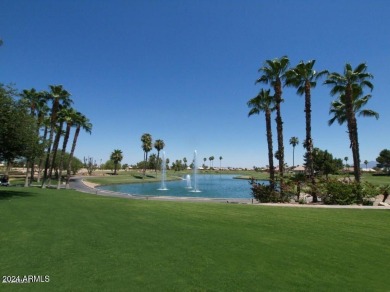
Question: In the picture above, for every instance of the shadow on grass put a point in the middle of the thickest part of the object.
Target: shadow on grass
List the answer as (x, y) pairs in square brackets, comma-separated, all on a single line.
[(141, 176), (6, 194)]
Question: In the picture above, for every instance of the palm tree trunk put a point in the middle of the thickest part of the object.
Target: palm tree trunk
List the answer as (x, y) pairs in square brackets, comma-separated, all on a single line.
[(32, 173), (61, 163), (76, 135), (270, 149), (48, 154), (279, 128), (352, 131), (309, 141), (41, 157), (26, 184), (55, 149), (356, 166)]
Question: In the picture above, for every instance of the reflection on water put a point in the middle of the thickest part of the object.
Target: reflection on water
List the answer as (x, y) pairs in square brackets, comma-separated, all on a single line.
[(211, 186)]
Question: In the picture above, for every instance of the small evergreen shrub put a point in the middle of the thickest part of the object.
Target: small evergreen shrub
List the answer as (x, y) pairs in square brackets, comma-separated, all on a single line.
[(335, 192), (265, 194)]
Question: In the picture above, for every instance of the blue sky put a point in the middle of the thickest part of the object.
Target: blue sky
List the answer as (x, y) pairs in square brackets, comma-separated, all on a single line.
[(184, 70)]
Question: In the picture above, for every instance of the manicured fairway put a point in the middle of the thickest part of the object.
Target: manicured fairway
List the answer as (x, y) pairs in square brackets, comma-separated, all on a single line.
[(90, 243)]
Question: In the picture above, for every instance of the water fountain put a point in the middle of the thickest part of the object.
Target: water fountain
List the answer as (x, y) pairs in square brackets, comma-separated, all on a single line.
[(163, 173), (188, 180), (195, 178)]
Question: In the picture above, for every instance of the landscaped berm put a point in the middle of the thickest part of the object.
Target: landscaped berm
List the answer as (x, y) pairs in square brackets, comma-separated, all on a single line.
[(83, 242)]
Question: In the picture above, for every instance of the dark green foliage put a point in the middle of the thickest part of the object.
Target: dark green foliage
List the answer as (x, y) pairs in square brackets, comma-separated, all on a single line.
[(295, 183), (178, 165), (384, 160), (109, 164), (75, 165), (324, 163), (265, 193), (17, 129), (336, 192)]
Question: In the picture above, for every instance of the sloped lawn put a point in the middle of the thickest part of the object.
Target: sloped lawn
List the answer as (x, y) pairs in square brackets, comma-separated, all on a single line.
[(90, 243)]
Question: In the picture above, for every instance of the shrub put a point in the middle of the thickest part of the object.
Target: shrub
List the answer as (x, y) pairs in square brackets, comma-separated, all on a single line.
[(335, 192), (264, 193)]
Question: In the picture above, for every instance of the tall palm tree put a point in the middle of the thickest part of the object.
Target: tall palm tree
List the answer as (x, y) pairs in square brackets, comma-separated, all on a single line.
[(294, 142), (366, 163), (346, 162), (338, 108), (220, 161), (304, 78), (81, 122), (116, 157), (57, 95), (264, 102), (274, 73), (158, 145), (147, 142), (211, 158), (343, 84)]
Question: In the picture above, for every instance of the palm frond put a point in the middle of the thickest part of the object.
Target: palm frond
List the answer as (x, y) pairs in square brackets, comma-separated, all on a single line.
[(361, 68), (369, 113), (366, 83)]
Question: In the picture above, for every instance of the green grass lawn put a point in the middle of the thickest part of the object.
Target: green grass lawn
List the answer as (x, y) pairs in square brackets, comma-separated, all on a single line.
[(91, 243)]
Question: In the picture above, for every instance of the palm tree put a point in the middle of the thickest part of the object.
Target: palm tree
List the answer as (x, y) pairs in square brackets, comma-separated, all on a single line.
[(304, 78), (274, 73), (264, 102), (346, 161), (116, 157), (57, 94), (204, 161), (343, 84), (220, 161), (366, 163), (158, 145), (211, 158), (146, 140), (81, 122), (294, 142)]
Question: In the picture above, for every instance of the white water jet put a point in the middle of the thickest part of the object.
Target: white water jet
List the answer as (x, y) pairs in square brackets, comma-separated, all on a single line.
[(188, 180), (163, 173), (195, 177)]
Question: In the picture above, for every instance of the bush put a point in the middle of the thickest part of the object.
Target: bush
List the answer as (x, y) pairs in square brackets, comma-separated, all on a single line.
[(335, 192), (264, 193)]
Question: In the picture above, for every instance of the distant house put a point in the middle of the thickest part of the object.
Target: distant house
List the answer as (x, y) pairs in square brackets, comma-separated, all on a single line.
[(299, 169)]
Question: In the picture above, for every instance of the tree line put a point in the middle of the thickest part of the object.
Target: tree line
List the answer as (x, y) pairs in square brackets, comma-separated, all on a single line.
[(152, 161), (33, 125), (347, 86)]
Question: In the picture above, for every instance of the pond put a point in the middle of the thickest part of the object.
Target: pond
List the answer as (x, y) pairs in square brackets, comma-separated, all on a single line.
[(209, 186)]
